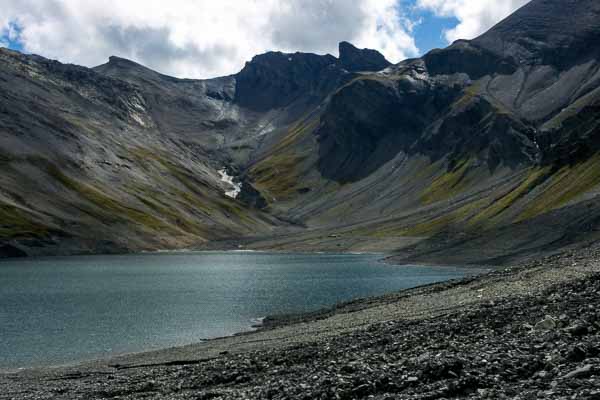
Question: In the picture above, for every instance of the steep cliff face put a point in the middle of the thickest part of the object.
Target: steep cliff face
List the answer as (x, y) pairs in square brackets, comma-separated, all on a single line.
[(374, 117), (491, 138)]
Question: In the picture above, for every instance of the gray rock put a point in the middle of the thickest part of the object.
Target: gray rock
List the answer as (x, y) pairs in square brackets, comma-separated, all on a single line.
[(580, 373), (546, 324)]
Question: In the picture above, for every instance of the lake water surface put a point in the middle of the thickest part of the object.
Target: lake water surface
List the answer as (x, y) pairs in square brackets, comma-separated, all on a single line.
[(66, 309)]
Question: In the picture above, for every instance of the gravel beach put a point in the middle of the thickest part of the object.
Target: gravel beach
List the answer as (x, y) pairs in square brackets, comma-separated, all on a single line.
[(530, 331)]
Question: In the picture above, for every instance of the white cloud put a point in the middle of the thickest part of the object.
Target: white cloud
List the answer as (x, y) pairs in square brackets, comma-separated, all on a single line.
[(202, 38), (474, 16)]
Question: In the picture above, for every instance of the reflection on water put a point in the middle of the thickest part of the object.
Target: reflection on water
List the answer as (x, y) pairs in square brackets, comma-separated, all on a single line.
[(65, 309)]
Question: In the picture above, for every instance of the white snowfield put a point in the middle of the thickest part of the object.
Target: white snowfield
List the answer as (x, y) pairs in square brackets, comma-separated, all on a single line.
[(228, 179)]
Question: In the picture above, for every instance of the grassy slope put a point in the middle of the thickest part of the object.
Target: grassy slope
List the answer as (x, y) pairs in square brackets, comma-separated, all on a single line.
[(167, 208)]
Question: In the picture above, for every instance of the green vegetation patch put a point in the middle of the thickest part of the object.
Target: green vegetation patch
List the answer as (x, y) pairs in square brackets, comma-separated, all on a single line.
[(183, 223), (469, 94), (110, 209), (296, 133), (567, 184), (278, 175), (194, 194), (15, 223), (454, 219), (488, 217), (448, 184)]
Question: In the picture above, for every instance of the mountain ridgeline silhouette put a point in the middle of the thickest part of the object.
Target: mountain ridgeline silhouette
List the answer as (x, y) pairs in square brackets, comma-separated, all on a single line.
[(484, 151)]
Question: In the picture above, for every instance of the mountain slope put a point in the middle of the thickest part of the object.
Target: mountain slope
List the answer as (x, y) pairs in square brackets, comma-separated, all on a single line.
[(484, 139), (482, 151), (121, 158), (87, 167)]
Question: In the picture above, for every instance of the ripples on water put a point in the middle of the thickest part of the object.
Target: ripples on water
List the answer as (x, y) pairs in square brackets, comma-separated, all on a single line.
[(65, 309)]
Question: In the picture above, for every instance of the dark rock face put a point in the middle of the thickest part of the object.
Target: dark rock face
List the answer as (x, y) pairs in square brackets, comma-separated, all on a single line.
[(476, 128), (464, 57), (524, 93), (354, 59), (578, 138), (370, 121), (252, 197), (274, 80), (361, 131)]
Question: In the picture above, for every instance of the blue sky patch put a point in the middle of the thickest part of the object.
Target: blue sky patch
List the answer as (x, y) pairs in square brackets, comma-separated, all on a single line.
[(10, 36), (429, 29)]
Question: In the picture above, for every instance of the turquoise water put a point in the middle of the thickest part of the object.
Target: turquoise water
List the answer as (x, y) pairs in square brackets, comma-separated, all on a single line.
[(66, 309)]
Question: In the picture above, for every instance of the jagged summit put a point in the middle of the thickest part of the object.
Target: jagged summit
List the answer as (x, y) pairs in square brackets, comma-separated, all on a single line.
[(123, 63), (131, 71), (276, 79), (354, 59), (557, 33), (350, 57), (120, 60)]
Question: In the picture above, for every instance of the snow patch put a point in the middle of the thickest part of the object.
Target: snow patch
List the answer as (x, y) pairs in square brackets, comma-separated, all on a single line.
[(137, 118), (228, 179)]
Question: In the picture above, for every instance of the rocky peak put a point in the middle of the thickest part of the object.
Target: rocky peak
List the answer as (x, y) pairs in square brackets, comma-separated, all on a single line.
[(289, 61), (276, 79), (115, 60), (354, 59), (131, 71), (123, 64)]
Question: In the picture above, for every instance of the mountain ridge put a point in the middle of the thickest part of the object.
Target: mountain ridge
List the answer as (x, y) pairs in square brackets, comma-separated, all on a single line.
[(464, 145)]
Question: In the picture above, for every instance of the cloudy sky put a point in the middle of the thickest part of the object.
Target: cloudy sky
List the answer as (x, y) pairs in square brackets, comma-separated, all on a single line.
[(207, 38)]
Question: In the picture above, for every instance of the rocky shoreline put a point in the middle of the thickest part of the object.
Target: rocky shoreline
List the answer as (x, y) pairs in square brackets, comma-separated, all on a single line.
[(527, 332)]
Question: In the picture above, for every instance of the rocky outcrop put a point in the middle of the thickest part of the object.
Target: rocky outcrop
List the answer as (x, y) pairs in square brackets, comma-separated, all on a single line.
[(275, 80), (354, 59), (462, 57), (369, 121), (520, 95)]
